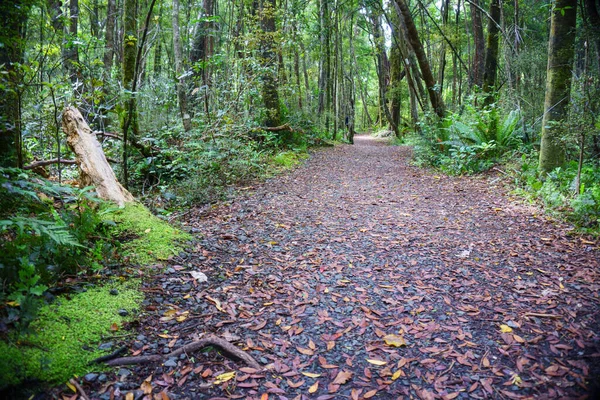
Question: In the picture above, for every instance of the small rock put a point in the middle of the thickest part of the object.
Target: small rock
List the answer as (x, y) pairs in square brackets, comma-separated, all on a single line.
[(123, 313), (166, 350), (171, 362), (141, 338), (102, 378), (91, 377), (114, 292), (106, 346), (138, 345), (124, 372)]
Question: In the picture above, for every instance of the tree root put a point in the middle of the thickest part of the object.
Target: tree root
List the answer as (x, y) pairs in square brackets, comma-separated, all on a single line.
[(210, 340)]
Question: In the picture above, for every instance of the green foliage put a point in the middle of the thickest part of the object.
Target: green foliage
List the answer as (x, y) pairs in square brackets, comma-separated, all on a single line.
[(467, 143), (558, 193), (47, 231), (65, 337)]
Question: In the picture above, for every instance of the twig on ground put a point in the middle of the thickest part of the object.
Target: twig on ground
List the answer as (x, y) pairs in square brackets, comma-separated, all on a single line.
[(210, 340), (110, 356), (79, 388)]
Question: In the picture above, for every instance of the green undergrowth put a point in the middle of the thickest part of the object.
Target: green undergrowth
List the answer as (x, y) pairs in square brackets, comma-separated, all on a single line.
[(146, 238), (288, 159), (66, 335)]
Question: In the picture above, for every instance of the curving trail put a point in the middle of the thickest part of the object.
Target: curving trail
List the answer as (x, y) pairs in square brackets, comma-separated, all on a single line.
[(321, 273)]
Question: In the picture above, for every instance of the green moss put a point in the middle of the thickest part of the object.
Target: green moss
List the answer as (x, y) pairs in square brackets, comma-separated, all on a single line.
[(66, 335), (288, 159), (154, 239)]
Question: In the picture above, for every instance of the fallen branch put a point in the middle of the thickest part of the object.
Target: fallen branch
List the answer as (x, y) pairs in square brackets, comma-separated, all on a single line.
[(73, 382), (110, 356), (539, 315), (108, 135), (43, 163), (285, 127), (210, 340)]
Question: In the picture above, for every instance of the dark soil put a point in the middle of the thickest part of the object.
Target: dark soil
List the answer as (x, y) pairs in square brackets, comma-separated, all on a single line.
[(312, 272)]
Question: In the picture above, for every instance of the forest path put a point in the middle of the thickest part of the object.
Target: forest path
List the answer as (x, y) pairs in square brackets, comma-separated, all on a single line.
[(310, 271)]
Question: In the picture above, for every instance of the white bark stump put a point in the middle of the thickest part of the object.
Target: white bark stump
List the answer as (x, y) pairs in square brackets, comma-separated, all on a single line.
[(94, 169)]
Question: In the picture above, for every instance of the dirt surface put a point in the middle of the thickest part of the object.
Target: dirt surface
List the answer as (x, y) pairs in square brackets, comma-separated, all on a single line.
[(359, 276)]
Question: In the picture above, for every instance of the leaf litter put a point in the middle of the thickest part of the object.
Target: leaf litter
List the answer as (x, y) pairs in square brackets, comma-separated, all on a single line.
[(360, 276)]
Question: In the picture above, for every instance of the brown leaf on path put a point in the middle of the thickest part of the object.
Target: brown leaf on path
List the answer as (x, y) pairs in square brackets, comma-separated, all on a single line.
[(330, 345), (306, 352), (342, 377), (314, 387), (258, 326), (296, 385), (370, 394)]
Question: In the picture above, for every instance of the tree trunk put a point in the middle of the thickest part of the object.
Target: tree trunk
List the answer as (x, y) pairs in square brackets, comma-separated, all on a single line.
[(72, 50), (491, 55), (479, 44), (93, 166), (130, 44), (413, 38), (558, 83), (109, 36), (15, 14), (593, 12), (177, 53), (270, 92), (442, 61)]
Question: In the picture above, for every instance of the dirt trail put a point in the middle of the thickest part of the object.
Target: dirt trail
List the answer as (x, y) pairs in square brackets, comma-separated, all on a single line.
[(485, 297)]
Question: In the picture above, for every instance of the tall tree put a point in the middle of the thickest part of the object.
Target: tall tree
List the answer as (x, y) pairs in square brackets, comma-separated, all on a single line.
[(130, 45), (479, 44), (491, 54), (109, 36), (177, 54), (413, 38), (270, 93), (558, 82), (12, 32)]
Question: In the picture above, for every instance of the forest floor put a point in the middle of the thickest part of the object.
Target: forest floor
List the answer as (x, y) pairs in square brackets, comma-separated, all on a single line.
[(360, 276)]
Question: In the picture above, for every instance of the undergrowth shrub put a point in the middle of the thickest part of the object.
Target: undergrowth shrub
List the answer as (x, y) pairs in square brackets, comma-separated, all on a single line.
[(48, 231), (466, 143), (558, 193)]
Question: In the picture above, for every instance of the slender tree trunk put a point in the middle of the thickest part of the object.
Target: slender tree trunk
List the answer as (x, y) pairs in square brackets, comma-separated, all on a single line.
[(413, 37), (109, 36), (177, 53), (479, 44), (592, 9), (442, 60), (491, 55), (72, 50), (558, 83)]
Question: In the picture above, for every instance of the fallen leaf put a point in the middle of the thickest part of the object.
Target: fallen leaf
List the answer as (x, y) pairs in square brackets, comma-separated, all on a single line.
[(370, 394), (505, 329), (114, 327), (146, 386), (342, 377), (306, 352), (314, 387), (198, 276), (310, 374), (394, 340), (376, 362), (224, 377)]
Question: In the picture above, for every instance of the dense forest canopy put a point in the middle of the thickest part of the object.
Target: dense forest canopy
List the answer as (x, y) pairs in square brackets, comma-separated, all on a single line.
[(140, 70)]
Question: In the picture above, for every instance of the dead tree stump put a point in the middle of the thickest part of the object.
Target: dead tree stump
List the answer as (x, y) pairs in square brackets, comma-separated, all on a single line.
[(94, 169)]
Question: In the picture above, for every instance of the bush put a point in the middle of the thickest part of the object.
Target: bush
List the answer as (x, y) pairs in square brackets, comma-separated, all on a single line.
[(558, 193)]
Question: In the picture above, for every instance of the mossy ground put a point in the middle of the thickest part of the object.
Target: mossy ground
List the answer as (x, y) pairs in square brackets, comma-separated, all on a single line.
[(67, 333), (154, 239), (289, 159)]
